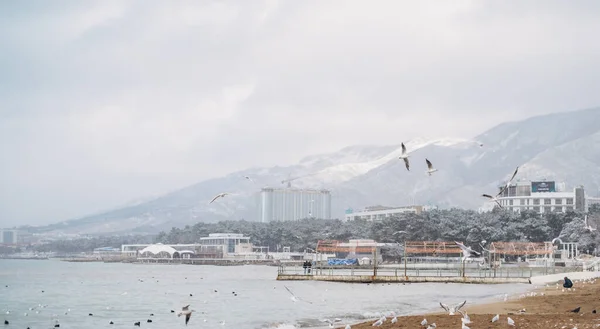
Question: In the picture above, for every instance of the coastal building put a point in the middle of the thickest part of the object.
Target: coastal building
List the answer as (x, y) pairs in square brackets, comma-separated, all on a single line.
[(542, 197), (161, 251), (107, 251), (361, 249), (224, 245), (380, 212), (9, 237), (293, 204), (133, 250), (590, 201)]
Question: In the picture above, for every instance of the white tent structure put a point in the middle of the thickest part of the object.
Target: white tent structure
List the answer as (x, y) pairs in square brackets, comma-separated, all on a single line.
[(160, 250)]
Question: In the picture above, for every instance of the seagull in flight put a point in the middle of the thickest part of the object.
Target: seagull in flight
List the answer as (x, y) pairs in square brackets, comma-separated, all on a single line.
[(587, 226), (398, 232), (452, 310), (495, 198), (185, 311), (220, 195), (404, 156), (430, 169), (248, 178), (467, 251), (294, 297)]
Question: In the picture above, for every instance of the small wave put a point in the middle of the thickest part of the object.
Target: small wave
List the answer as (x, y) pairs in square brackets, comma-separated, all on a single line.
[(280, 326)]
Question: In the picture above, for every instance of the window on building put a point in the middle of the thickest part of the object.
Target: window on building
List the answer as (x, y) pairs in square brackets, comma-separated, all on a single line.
[(547, 201), (536, 201), (570, 201), (522, 202), (558, 201), (568, 208), (536, 209), (510, 202), (547, 209)]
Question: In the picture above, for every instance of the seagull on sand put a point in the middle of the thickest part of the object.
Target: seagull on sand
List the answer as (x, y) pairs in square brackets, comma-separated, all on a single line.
[(587, 226), (430, 169), (495, 198), (452, 310), (187, 312), (510, 321), (404, 156), (220, 195), (331, 322), (496, 318), (294, 297), (467, 251)]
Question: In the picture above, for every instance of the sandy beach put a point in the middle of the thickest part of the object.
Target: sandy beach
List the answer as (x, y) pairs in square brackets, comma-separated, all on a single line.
[(550, 308)]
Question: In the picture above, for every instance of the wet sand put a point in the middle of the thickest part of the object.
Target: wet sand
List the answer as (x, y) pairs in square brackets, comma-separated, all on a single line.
[(550, 310)]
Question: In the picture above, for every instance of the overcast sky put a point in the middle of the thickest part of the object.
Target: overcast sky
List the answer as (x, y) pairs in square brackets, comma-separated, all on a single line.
[(102, 102)]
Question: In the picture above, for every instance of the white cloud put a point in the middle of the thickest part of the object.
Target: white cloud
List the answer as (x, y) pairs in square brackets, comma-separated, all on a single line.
[(105, 101)]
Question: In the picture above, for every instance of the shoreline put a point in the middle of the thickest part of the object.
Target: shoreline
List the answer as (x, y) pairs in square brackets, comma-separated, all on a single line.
[(543, 309)]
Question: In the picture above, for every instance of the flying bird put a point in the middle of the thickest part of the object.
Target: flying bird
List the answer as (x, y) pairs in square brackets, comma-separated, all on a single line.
[(587, 226), (467, 251), (452, 310), (248, 178), (404, 156), (294, 297), (220, 195), (185, 311), (495, 198), (430, 169)]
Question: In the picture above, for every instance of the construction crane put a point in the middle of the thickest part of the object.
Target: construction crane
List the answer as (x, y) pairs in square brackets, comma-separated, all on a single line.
[(290, 180)]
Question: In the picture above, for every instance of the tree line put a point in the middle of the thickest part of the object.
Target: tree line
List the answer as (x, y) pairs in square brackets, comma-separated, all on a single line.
[(468, 226)]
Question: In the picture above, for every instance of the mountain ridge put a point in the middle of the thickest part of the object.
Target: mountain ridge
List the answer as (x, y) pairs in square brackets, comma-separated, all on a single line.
[(363, 175)]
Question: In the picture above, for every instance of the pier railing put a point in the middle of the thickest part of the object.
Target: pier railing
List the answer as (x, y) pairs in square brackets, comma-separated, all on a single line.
[(445, 270)]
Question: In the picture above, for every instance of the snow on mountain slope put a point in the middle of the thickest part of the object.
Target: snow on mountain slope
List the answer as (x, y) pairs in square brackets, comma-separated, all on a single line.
[(562, 147)]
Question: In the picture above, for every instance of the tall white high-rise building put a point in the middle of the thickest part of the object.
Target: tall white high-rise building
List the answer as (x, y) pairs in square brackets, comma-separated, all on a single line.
[(293, 204)]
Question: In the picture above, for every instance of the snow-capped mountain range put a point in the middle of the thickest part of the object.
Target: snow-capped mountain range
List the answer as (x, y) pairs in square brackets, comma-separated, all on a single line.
[(564, 147)]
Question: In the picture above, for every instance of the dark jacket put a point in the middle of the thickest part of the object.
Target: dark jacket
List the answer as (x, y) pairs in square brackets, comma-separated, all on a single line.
[(568, 283)]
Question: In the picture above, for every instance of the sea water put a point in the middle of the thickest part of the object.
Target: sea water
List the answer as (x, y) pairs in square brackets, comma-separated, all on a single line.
[(242, 297)]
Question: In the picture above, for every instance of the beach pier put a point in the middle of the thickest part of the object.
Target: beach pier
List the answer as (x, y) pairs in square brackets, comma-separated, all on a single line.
[(419, 273)]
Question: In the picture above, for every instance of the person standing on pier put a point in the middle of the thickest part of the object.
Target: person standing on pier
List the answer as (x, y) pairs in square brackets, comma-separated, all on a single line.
[(305, 266)]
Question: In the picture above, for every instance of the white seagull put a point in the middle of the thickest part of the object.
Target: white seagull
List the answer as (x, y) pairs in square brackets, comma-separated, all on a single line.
[(404, 156), (511, 322), (294, 297), (467, 251), (185, 311), (587, 226), (452, 310), (248, 178), (430, 169), (331, 322), (220, 195), (495, 198), (496, 318)]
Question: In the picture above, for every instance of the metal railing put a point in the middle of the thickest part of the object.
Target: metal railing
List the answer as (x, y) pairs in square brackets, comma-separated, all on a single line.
[(445, 271)]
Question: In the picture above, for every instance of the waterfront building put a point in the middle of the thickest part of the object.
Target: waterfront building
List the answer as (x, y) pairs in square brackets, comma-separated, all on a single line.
[(225, 245), (9, 237), (293, 204), (542, 197), (381, 212)]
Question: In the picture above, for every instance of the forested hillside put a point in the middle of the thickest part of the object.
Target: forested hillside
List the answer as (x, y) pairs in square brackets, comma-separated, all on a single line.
[(448, 225)]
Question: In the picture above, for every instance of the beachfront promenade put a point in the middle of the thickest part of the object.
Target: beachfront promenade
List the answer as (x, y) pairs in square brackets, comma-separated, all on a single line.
[(450, 273)]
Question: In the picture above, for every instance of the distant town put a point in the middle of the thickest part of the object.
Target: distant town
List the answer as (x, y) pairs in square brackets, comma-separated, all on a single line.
[(282, 206)]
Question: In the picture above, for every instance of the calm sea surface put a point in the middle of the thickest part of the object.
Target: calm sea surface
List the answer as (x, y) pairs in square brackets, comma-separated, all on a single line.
[(127, 293)]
